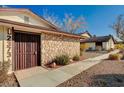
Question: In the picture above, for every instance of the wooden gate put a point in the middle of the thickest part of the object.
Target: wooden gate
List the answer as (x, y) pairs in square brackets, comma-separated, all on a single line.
[(27, 50)]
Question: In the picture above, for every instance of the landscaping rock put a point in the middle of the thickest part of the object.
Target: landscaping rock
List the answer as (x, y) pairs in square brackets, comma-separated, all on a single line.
[(10, 82), (104, 74)]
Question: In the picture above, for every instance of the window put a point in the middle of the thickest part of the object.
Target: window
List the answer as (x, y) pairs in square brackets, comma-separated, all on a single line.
[(26, 19)]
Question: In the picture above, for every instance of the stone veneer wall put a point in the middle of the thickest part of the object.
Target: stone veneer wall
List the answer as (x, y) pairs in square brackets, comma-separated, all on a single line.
[(54, 45)]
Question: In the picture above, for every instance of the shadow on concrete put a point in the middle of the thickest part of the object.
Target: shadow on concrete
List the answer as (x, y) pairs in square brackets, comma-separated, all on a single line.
[(108, 80)]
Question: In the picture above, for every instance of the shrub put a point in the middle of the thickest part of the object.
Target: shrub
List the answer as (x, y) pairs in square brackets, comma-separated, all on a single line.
[(111, 49), (114, 56), (76, 58), (62, 60), (119, 46)]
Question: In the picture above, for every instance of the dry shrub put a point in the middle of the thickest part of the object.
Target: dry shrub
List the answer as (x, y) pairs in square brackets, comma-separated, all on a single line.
[(114, 56), (76, 58), (119, 46)]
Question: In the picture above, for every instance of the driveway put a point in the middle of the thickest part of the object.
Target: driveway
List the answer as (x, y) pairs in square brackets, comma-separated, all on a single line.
[(45, 78)]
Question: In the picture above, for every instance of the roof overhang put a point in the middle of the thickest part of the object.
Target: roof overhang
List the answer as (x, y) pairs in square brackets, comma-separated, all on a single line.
[(32, 28), (28, 11)]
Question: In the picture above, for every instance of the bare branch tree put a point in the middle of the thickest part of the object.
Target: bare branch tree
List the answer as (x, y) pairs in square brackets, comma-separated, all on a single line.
[(69, 23), (72, 24), (118, 26), (51, 17)]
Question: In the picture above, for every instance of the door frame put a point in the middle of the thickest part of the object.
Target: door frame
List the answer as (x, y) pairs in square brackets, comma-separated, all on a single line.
[(13, 45)]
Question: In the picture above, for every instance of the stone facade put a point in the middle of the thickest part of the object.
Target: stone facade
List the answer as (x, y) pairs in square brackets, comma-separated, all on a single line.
[(54, 45), (51, 46)]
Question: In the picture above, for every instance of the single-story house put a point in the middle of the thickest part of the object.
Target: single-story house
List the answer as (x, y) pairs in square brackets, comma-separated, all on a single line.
[(28, 40), (85, 35), (99, 43)]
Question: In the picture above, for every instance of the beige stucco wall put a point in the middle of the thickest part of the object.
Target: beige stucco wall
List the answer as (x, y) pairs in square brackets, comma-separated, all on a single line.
[(19, 17), (105, 45), (111, 43), (5, 46), (91, 45), (53, 45), (108, 45)]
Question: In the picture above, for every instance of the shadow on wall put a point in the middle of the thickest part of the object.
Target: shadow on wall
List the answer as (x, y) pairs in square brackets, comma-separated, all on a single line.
[(108, 80)]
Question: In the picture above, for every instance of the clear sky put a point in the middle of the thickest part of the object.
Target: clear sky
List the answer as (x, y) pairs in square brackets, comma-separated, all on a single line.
[(97, 17)]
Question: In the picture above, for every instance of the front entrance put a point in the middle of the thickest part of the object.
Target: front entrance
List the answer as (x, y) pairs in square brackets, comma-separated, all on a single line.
[(26, 50)]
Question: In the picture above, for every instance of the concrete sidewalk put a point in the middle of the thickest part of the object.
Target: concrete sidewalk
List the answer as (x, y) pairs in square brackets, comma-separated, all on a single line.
[(55, 77)]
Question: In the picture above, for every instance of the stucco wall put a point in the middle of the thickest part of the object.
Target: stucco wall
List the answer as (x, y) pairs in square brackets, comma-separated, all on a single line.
[(108, 45), (53, 45), (19, 17), (91, 45), (6, 45), (111, 43), (105, 45)]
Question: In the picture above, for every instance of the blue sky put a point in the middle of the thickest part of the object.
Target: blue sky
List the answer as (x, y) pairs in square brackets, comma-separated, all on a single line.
[(98, 18)]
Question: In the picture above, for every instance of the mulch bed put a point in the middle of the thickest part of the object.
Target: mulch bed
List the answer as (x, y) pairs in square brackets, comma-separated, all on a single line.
[(47, 66), (104, 74), (84, 56)]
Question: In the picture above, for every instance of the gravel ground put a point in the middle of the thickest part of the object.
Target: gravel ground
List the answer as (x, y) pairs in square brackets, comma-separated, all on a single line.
[(91, 54), (10, 82), (105, 74)]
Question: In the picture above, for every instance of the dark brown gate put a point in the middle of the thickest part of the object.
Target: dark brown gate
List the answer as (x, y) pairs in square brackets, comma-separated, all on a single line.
[(27, 50)]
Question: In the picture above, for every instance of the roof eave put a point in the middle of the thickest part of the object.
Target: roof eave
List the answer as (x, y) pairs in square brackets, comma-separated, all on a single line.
[(38, 28)]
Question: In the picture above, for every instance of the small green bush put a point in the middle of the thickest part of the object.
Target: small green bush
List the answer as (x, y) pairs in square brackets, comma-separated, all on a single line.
[(62, 60), (114, 56), (76, 58)]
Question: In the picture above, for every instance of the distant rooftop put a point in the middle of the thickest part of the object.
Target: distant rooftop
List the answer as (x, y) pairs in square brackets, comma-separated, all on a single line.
[(97, 39)]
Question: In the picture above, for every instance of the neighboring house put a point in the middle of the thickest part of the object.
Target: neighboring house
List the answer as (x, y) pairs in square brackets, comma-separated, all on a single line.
[(99, 43), (85, 35), (27, 40)]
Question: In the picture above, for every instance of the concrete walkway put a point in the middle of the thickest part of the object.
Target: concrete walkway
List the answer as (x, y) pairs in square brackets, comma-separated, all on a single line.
[(55, 77)]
